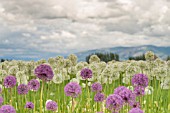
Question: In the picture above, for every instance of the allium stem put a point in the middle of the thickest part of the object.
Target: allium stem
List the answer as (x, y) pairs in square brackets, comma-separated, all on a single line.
[(11, 96), (41, 96), (72, 109)]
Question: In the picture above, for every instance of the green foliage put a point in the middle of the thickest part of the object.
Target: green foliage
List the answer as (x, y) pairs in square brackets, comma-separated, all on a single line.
[(106, 57)]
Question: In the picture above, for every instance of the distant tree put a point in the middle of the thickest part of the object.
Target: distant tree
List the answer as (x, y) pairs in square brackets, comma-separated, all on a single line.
[(3, 60), (168, 58), (140, 57), (106, 57)]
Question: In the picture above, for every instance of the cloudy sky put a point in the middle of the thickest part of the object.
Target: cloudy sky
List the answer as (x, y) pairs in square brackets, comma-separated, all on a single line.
[(40, 28)]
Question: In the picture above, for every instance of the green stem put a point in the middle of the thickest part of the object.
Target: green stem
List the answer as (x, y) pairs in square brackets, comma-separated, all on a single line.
[(41, 97)]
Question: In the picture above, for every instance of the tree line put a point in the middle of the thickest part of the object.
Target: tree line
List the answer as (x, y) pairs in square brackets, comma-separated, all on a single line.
[(106, 57)]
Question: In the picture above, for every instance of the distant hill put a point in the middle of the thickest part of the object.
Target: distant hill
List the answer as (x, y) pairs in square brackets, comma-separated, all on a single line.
[(125, 52)]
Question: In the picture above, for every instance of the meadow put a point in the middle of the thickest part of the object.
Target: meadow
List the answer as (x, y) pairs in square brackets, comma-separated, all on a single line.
[(53, 75)]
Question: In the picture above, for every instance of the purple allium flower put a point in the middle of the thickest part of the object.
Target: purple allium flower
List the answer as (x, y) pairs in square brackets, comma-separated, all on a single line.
[(29, 105), (99, 97), (72, 89), (136, 110), (139, 90), (134, 104), (140, 80), (23, 89), (96, 87), (44, 72), (1, 101), (114, 102), (51, 105), (126, 94), (10, 81), (99, 112), (7, 109), (34, 85), (86, 73)]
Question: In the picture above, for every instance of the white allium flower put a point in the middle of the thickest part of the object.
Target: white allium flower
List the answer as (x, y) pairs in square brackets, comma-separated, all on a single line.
[(115, 76), (126, 80), (68, 63), (72, 70), (3, 73), (83, 85), (149, 56), (13, 70), (94, 59), (165, 84), (51, 61), (73, 59), (102, 65), (79, 66), (21, 77), (42, 61), (57, 79), (89, 83), (75, 80), (149, 90)]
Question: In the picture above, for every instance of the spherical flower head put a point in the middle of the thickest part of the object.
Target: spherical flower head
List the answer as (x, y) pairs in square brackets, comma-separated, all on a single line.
[(86, 73), (7, 109), (10, 81), (136, 110), (51, 105), (72, 89), (114, 102), (29, 105), (139, 91), (126, 94), (140, 80), (44, 72), (23, 89), (34, 85), (1, 101), (96, 87), (99, 97), (149, 56)]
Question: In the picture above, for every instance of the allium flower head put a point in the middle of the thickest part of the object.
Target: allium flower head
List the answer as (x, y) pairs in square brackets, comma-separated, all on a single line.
[(125, 93), (72, 89), (114, 102), (136, 110), (99, 97), (44, 72), (139, 90), (29, 105), (86, 73), (10, 81), (34, 85), (149, 55), (51, 105), (1, 100), (7, 109), (23, 89), (140, 80), (96, 87)]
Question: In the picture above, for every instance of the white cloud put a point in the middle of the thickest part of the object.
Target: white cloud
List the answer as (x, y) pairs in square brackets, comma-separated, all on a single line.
[(65, 26)]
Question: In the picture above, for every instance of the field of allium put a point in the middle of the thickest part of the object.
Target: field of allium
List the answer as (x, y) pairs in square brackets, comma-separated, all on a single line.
[(61, 85)]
